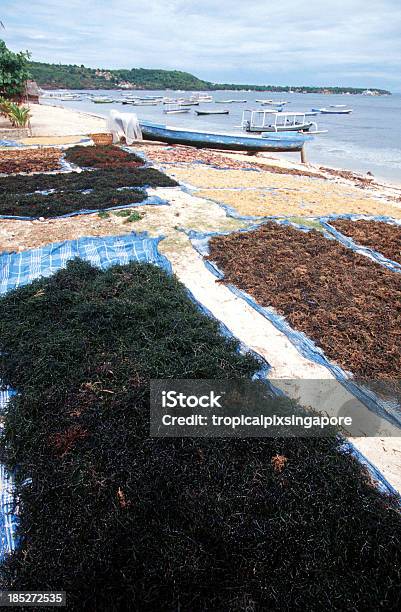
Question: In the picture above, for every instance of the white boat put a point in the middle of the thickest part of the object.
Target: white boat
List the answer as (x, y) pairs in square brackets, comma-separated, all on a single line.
[(274, 102), (271, 121), (173, 109), (139, 102), (230, 101), (336, 111), (102, 100), (202, 98), (64, 97)]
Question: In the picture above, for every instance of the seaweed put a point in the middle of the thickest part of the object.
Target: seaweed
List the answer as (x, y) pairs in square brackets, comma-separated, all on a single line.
[(30, 160), (103, 156), (347, 304), (56, 204), (72, 181), (380, 236), (123, 521)]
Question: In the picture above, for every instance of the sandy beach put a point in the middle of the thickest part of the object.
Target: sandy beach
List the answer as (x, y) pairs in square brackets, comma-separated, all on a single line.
[(280, 187)]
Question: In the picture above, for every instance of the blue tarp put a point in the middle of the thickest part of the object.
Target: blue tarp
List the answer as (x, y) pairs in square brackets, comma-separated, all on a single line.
[(351, 244)]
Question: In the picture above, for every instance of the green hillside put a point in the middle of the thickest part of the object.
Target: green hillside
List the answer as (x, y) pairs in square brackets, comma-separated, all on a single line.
[(62, 76), (53, 76)]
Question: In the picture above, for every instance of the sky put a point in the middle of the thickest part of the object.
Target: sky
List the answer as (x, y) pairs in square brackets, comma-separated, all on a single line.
[(285, 42)]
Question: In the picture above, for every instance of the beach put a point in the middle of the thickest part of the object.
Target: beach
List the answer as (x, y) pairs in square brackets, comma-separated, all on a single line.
[(221, 192)]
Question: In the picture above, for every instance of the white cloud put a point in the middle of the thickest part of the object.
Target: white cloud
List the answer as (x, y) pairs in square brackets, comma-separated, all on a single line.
[(259, 41)]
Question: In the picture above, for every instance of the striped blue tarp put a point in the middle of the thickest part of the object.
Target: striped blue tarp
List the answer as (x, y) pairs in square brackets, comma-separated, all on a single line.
[(17, 269)]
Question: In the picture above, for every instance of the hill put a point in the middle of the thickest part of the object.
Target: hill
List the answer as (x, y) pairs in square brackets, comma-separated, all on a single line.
[(63, 76), (54, 76)]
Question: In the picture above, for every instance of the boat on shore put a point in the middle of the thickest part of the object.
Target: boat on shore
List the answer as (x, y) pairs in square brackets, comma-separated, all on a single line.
[(212, 112), (223, 140)]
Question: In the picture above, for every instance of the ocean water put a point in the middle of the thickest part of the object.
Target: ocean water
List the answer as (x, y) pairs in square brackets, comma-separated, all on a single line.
[(367, 140)]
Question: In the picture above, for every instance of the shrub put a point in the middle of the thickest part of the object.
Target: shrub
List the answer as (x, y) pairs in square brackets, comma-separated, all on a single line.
[(18, 115)]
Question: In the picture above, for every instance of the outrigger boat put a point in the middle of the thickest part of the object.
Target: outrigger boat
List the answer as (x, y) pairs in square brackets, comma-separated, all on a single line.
[(138, 102), (230, 101), (223, 140), (102, 100), (335, 110), (212, 112), (176, 110), (270, 121), (273, 102)]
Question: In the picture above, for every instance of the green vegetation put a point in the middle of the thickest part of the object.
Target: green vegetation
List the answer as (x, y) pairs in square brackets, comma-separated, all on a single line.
[(14, 71), (121, 520), (56, 76)]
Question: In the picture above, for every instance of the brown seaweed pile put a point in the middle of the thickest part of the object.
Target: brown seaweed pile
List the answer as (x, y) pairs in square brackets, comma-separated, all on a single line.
[(347, 304)]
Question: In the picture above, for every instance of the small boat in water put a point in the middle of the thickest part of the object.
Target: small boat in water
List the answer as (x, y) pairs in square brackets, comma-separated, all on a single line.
[(333, 110), (102, 100), (212, 112), (270, 121), (141, 102), (230, 101), (223, 140), (172, 109), (336, 111), (273, 102)]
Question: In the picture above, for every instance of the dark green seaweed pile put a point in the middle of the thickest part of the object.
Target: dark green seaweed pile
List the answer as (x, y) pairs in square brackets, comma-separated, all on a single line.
[(103, 156), (122, 521), (61, 203), (72, 181)]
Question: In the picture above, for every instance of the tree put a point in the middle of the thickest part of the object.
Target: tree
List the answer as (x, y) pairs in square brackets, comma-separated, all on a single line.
[(14, 71)]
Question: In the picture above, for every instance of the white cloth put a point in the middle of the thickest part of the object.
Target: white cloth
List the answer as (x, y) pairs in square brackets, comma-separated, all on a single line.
[(124, 125)]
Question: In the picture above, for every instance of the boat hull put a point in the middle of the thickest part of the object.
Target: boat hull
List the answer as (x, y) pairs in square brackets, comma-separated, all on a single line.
[(198, 112), (229, 142), (305, 127)]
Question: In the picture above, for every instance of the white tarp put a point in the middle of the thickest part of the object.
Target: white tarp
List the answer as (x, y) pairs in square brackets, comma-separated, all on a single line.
[(124, 125)]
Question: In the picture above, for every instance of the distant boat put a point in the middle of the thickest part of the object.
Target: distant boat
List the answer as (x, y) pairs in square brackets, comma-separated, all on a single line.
[(222, 140), (268, 121), (212, 112), (336, 111), (274, 102), (203, 98), (333, 110), (102, 100), (141, 102), (230, 101), (176, 109), (188, 102)]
